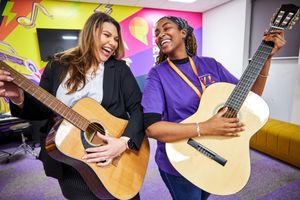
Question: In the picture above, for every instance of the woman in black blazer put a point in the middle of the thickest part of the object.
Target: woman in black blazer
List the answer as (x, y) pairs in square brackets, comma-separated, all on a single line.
[(92, 69)]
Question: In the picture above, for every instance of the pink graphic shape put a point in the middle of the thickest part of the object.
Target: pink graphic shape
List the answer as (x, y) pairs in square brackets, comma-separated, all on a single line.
[(151, 16)]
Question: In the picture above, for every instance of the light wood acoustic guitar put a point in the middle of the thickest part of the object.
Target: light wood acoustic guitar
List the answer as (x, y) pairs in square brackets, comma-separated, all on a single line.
[(77, 130), (217, 164)]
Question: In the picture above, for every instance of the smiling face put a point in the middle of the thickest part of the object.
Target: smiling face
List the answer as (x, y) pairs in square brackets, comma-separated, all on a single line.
[(170, 39), (106, 40)]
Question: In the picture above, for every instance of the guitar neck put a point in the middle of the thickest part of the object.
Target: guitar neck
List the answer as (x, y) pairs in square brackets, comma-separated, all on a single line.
[(284, 19), (46, 98), (242, 89)]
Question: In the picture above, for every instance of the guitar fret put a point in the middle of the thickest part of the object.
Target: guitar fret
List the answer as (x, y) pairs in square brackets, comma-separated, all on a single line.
[(34, 92), (56, 107), (258, 62), (62, 112), (21, 83), (81, 123), (50, 103), (70, 116), (43, 97), (67, 115)]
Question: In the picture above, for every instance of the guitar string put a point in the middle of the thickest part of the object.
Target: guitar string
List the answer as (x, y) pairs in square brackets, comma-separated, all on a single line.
[(261, 54), (241, 94), (266, 50), (243, 87)]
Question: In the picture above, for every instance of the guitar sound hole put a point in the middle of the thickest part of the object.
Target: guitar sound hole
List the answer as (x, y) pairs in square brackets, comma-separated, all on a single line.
[(91, 134), (231, 113)]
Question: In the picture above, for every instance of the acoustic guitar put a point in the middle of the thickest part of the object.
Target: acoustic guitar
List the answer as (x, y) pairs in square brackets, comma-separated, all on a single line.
[(221, 164), (77, 131)]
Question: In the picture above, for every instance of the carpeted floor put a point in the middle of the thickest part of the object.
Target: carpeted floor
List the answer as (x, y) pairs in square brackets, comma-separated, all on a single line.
[(23, 178)]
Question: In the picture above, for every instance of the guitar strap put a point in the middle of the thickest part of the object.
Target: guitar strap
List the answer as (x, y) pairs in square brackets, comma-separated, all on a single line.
[(186, 79)]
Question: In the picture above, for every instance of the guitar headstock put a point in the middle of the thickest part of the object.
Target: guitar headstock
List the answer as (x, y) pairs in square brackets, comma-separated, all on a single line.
[(285, 17)]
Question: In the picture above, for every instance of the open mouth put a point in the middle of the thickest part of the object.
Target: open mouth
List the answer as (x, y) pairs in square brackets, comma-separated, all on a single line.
[(107, 51), (165, 42)]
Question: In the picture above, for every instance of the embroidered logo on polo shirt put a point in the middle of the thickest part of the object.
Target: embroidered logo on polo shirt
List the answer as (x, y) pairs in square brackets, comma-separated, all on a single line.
[(207, 79)]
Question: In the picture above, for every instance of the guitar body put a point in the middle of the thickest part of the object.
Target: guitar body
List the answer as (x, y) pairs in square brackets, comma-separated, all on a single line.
[(122, 179), (206, 173)]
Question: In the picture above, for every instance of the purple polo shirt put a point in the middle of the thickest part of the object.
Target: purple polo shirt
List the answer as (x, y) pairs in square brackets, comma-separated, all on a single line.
[(166, 94)]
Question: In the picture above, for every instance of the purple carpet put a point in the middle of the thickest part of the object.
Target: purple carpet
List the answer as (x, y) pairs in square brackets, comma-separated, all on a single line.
[(23, 178)]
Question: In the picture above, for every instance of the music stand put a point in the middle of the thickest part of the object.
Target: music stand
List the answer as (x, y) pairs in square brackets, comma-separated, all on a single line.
[(20, 127), (4, 153)]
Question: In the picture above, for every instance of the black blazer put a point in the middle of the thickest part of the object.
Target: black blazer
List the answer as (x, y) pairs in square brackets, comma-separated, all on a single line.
[(121, 98)]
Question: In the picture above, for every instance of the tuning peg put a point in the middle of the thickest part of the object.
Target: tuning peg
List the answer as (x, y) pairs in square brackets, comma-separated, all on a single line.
[(274, 15)]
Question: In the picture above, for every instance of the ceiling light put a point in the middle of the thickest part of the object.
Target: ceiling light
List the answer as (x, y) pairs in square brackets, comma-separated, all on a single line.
[(69, 37), (183, 1)]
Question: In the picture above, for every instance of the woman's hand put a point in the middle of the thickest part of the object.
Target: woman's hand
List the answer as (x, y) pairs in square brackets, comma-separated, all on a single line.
[(104, 155), (277, 37), (9, 89), (219, 125)]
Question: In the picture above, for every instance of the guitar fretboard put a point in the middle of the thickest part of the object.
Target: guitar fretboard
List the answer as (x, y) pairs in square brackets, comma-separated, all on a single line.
[(46, 98), (242, 89)]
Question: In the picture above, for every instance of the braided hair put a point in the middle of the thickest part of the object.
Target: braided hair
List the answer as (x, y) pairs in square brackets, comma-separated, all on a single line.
[(190, 40)]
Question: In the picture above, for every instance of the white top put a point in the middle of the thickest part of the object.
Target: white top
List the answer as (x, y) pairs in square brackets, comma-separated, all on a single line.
[(93, 89)]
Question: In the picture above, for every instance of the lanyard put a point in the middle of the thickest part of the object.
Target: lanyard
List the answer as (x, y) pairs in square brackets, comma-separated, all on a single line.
[(186, 79)]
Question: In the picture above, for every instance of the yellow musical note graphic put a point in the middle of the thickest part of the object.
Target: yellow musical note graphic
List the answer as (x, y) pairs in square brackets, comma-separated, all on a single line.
[(4, 105), (30, 23), (107, 8)]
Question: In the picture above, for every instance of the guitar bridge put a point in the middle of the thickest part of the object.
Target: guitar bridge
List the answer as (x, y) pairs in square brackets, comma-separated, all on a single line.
[(207, 152)]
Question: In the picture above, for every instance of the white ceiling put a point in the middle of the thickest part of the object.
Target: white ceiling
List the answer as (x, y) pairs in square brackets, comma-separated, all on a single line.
[(197, 6)]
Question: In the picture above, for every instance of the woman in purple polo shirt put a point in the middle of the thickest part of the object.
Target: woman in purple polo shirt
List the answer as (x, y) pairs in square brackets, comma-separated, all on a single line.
[(168, 99)]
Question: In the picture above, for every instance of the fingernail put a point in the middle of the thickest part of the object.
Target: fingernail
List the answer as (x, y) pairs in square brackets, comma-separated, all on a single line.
[(10, 78)]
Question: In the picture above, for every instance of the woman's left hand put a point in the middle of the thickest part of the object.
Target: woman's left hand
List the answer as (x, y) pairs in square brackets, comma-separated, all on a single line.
[(104, 155), (277, 37)]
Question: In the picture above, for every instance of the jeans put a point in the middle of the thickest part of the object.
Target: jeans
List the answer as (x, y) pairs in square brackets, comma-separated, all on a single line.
[(181, 189)]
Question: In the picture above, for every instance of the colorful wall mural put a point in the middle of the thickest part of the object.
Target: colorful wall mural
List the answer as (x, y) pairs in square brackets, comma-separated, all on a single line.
[(19, 20)]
